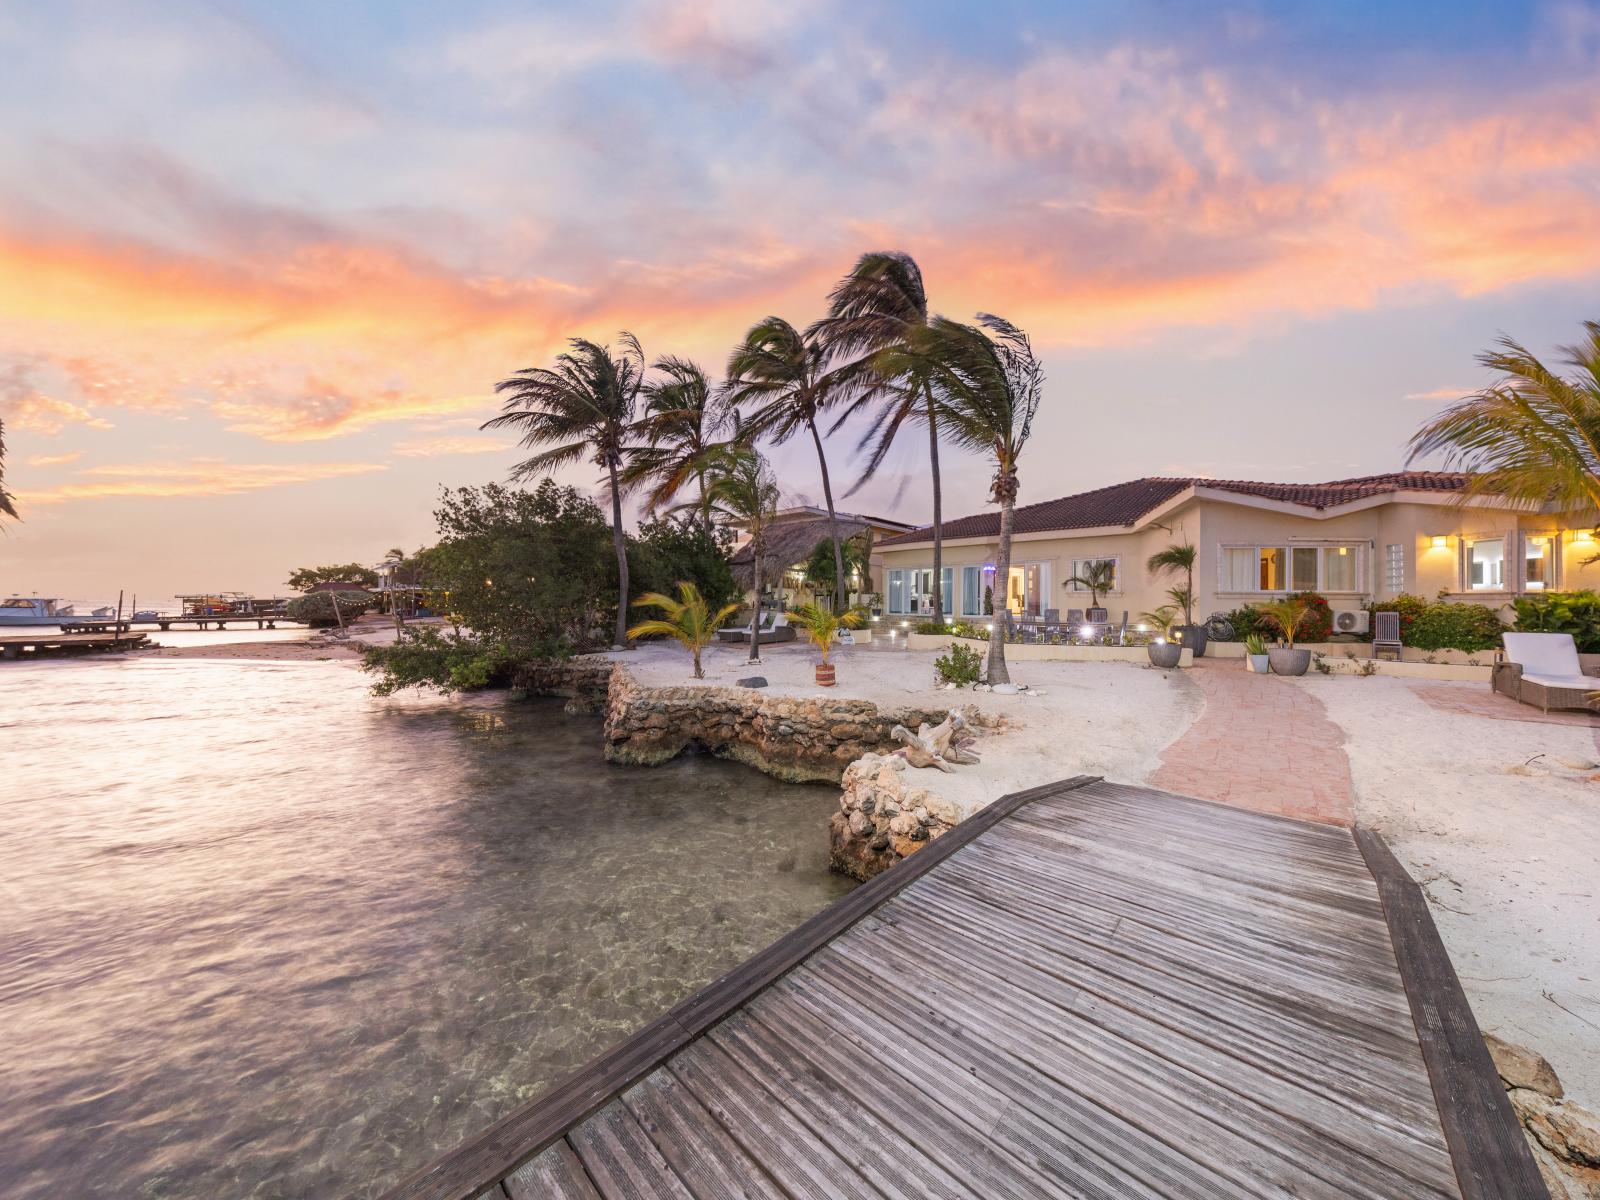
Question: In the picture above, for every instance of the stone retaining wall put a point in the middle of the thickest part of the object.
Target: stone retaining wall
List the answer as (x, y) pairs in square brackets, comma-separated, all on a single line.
[(585, 684)]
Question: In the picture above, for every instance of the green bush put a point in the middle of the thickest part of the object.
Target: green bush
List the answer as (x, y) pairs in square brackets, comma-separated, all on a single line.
[(1577, 613), (1408, 606), (966, 629), (933, 627), (426, 656), (667, 552), (961, 666), (1318, 625), (317, 608), (1245, 620), (1445, 626)]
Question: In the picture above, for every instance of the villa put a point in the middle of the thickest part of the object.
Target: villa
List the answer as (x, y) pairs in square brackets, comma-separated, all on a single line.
[(793, 535), (1353, 540)]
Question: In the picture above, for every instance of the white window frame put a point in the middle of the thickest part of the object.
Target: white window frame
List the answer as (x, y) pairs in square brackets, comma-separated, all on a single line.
[(1288, 548), (1076, 564), (1552, 582), (1468, 545)]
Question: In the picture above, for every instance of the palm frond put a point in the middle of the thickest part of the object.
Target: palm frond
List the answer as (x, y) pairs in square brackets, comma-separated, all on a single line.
[(6, 505)]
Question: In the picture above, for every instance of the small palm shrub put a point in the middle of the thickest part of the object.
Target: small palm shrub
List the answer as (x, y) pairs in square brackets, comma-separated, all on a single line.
[(961, 665), (688, 620), (821, 624), (1288, 616)]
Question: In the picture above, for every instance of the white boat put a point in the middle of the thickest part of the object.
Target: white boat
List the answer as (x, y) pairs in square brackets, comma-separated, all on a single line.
[(32, 610)]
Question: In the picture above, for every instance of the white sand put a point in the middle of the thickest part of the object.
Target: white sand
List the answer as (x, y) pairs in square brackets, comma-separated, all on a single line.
[(1510, 863), (1110, 719)]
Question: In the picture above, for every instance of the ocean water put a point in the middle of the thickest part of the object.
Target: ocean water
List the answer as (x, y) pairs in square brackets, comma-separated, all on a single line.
[(264, 935)]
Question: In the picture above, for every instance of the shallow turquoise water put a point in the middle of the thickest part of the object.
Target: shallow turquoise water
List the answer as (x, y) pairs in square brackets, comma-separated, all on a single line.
[(264, 935)]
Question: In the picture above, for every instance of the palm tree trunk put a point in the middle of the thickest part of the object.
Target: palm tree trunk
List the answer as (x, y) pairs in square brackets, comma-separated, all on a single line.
[(938, 509), (1002, 567), (833, 522), (620, 542), (705, 505), (755, 619)]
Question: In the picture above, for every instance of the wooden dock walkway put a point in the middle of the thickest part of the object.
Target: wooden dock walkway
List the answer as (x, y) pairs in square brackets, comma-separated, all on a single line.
[(29, 645), (1087, 990)]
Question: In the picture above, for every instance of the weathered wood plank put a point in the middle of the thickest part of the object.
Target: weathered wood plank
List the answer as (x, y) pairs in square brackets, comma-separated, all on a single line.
[(622, 1160), (554, 1174), (708, 1160), (1491, 1154)]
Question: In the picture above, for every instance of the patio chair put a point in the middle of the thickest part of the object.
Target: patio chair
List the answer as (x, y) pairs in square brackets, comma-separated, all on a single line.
[(1052, 616), (1543, 669), (1075, 618), (1386, 634)]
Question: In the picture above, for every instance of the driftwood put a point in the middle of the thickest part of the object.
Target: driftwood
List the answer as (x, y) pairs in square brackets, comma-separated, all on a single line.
[(939, 745)]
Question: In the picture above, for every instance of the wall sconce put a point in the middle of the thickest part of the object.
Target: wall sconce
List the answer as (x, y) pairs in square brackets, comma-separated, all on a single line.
[(1581, 537), (1440, 541)]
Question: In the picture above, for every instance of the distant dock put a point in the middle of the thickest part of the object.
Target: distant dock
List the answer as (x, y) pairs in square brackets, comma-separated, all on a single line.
[(211, 621), (53, 643)]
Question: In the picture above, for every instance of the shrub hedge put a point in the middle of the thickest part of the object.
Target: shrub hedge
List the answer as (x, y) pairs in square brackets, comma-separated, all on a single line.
[(1441, 625), (1577, 613)]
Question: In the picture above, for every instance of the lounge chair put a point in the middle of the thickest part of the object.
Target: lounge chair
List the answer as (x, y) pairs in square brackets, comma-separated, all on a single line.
[(1386, 634), (775, 627), (1543, 669)]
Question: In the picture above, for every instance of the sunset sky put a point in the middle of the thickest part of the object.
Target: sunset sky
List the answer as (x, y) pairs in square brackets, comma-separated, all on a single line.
[(261, 265)]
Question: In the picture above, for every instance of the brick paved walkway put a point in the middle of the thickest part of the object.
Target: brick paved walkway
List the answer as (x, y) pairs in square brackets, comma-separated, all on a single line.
[(1261, 743)]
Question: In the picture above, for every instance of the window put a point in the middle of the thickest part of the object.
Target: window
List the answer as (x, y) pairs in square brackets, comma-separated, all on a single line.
[(1271, 574), (1394, 567), (1082, 566), (971, 592), (1538, 563), (1486, 562), (1239, 569), (1304, 559), (897, 591), (947, 590), (1025, 587), (1338, 569)]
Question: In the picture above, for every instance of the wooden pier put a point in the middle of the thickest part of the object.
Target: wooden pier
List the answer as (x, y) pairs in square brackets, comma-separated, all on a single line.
[(214, 621), (31, 645), (1086, 990)]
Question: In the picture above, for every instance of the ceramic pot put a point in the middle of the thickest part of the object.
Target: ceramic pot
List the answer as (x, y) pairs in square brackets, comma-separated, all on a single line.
[(1164, 654), (1259, 663), (1287, 661), (1192, 636), (825, 675)]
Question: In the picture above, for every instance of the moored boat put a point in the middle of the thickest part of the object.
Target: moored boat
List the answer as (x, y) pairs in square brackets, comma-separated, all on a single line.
[(34, 610)]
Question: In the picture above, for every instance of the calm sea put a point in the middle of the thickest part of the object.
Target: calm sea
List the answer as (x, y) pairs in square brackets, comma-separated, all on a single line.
[(264, 935)]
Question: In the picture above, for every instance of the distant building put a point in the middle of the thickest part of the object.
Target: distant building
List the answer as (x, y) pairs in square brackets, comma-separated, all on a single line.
[(793, 537)]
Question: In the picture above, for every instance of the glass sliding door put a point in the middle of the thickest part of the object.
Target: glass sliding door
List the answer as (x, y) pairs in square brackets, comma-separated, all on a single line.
[(897, 591), (947, 590), (971, 592)]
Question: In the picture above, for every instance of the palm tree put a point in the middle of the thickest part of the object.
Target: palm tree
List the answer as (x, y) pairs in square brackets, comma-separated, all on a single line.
[(781, 373), (682, 419), (1097, 575), (987, 384), (742, 488), (881, 306), (1532, 435), (6, 506), (585, 403), (1180, 556), (688, 619)]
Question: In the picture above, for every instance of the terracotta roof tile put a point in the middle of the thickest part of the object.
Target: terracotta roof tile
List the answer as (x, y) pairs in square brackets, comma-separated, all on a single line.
[(1126, 503)]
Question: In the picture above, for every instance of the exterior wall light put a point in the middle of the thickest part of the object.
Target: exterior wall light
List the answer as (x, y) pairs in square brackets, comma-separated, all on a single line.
[(1440, 541)]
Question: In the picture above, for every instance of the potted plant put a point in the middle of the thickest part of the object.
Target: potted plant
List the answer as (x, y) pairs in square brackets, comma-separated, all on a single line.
[(821, 625), (1181, 556), (1255, 649), (1288, 615), (1097, 576), (1163, 652)]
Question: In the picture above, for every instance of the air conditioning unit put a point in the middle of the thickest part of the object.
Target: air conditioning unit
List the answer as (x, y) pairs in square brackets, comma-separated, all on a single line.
[(1357, 620)]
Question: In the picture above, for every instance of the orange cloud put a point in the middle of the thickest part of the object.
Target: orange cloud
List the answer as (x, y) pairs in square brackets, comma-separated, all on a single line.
[(206, 477), (433, 447), (53, 460)]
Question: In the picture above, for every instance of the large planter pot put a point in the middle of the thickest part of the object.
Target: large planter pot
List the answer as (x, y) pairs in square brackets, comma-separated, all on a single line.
[(1164, 654), (1192, 636), (1260, 663), (825, 675), (1287, 661)]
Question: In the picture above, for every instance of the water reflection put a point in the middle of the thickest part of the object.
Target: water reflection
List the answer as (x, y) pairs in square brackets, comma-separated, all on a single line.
[(266, 936)]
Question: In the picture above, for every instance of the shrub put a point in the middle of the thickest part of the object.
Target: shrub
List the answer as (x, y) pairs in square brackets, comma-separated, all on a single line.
[(1245, 620), (960, 666), (932, 627), (966, 629), (1445, 626), (1408, 606), (1577, 613), (667, 552), (317, 608), (1318, 624), (425, 656)]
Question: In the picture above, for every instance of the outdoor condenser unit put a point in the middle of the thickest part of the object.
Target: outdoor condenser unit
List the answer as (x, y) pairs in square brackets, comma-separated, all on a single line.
[(1352, 620)]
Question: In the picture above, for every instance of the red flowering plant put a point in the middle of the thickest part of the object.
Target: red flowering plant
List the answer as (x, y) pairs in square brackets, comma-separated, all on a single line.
[(1318, 623)]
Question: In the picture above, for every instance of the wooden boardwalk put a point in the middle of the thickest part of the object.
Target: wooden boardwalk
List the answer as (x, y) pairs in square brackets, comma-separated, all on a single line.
[(28, 645), (1088, 990)]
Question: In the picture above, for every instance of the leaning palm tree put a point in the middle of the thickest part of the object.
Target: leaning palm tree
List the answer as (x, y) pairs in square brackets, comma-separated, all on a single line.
[(585, 404), (1531, 436), (6, 506), (688, 619), (988, 384), (682, 420), (780, 373), (880, 306), (742, 488)]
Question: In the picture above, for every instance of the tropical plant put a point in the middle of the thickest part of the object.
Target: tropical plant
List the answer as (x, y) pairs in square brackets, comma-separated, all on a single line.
[(1318, 625), (1254, 644), (668, 550), (961, 665), (988, 384), (682, 419), (1180, 556), (821, 625), (585, 405), (1098, 576), (819, 568), (1160, 619), (688, 620), (1287, 616), (1443, 625), (6, 504), (1577, 613), (781, 374), (444, 659), (303, 579), (1531, 436), (878, 315), (742, 488)]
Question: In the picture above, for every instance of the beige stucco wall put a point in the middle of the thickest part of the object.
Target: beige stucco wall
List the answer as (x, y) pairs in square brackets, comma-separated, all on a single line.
[(1213, 524)]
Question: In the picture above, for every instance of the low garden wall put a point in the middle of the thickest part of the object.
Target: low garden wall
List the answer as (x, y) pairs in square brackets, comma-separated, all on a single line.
[(1032, 652)]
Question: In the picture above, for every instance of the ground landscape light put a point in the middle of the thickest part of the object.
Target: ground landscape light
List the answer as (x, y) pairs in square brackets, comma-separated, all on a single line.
[(1086, 631)]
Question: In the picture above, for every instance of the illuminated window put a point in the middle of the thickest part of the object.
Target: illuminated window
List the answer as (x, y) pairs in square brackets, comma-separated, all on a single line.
[(1538, 563), (1486, 564)]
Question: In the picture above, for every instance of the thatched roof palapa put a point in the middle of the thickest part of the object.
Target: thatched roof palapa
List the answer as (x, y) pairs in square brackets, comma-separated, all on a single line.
[(789, 543)]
